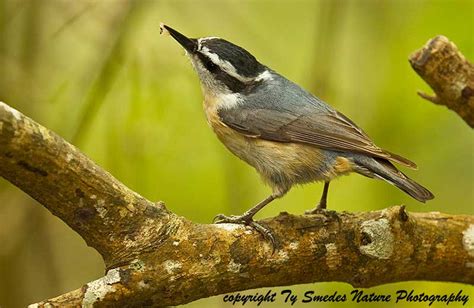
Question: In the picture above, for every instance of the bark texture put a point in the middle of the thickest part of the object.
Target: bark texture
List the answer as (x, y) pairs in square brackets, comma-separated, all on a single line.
[(451, 76), (154, 257)]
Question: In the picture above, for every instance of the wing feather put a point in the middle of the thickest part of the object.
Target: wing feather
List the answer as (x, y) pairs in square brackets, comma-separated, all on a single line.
[(327, 129)]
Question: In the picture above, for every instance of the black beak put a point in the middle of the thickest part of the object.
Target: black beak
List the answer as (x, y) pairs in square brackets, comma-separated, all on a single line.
[(189, 44)]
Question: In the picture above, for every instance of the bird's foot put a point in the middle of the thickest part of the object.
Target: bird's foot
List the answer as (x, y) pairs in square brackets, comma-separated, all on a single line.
[(233, 219), (319, 209), (248, 221), (329, 214)]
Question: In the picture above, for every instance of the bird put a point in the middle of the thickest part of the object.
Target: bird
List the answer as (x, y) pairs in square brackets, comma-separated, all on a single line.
[(287, 134)]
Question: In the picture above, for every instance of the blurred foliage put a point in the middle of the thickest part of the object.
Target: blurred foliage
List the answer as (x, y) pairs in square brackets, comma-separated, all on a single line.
[(99, 74)]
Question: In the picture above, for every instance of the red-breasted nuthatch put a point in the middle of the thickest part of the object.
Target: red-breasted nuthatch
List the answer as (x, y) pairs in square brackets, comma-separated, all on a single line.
[(288, 135)]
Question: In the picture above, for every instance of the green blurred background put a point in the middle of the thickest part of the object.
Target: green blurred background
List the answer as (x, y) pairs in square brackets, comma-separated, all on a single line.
[(99, 74)]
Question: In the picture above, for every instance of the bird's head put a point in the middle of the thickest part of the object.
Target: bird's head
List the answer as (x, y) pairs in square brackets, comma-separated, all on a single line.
[(223, 67)]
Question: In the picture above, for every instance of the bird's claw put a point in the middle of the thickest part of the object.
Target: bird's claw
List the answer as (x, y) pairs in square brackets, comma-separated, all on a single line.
[(316, 210), (319, 209), (248, 221), (267, 234)]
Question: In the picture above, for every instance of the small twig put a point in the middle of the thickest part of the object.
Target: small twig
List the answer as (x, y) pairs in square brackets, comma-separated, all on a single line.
[(432, 98)]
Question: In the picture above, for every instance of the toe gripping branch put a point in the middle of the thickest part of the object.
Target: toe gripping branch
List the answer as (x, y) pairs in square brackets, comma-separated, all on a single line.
[(248, 221)]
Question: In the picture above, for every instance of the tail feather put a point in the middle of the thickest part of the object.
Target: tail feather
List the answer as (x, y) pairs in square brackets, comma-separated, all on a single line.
[(386, 171)]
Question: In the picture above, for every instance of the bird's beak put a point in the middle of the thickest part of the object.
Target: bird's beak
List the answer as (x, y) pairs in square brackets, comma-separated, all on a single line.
[(189, 44)]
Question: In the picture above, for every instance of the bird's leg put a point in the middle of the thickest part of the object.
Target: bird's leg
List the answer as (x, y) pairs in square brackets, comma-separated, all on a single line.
[(323, 202), (324, 197), (246, 218)]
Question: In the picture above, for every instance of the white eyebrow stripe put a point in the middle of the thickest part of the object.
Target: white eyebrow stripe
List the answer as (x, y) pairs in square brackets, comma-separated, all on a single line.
[(203, 39), (214, 57), (224, 65)]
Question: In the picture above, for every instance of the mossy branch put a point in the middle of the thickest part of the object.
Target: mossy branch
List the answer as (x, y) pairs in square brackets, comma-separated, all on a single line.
[(154, 257)]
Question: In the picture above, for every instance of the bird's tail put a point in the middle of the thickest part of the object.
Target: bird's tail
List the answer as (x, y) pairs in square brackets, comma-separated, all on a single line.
[(385, 170)]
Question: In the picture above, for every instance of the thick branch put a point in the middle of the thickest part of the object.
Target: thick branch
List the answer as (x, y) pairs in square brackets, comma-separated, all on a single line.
[(364, 249), (108, 215), (157, 258), (449, 74)]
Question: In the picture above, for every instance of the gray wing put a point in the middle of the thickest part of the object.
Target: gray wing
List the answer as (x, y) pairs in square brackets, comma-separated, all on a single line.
[(308, 121)]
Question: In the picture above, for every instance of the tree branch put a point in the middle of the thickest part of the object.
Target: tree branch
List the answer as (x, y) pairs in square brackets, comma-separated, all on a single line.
[(449, 74), (155, 257), (110, 217)]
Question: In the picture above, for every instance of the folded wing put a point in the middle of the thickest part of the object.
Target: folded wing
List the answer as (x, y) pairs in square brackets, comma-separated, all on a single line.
[(323, 128)]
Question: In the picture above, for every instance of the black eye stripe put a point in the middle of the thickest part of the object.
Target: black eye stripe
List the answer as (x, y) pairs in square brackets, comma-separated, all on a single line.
[(231, 82), (208, 64), (244, 63), (211, 66)]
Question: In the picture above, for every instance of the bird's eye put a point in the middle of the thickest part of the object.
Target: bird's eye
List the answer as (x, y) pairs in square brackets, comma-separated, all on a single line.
[(210, 66)]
